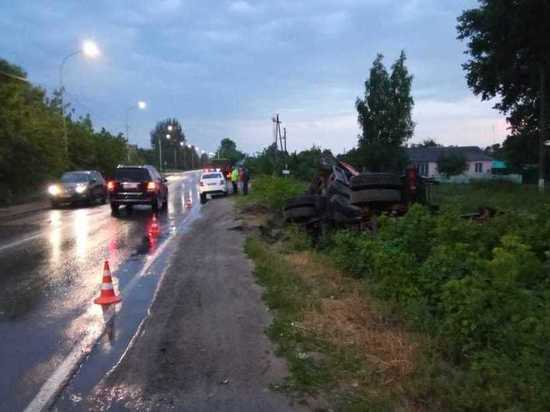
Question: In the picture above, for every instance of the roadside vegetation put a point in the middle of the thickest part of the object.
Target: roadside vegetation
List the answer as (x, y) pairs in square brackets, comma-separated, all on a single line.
[(33, 149), (272, 193), (502, 196), (433, 312)]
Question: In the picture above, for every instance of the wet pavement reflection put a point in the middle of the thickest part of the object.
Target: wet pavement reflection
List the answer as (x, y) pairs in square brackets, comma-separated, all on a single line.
[(51, 264)]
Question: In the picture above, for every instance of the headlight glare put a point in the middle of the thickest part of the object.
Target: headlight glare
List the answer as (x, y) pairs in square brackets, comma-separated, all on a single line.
[(81, 188), (54, 190)]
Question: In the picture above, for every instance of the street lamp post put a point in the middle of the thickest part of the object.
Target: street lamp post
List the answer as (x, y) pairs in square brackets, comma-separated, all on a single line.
[(89, 49), (140, 105), (160, 148), (182, 145)]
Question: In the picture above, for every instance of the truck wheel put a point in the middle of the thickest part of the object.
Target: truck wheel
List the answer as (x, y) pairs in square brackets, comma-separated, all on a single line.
[(303, 200), (338, 187), (359, 197), (300, 214), (375, 180)]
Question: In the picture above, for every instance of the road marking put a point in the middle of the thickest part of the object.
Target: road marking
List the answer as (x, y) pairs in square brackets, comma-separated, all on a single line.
[(61, 376), (20, 241)]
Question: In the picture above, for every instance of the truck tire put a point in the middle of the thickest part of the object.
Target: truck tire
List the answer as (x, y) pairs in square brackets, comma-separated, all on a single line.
[(360, 197), (375, 180), (337, 187), (300, 214), (303, 200)]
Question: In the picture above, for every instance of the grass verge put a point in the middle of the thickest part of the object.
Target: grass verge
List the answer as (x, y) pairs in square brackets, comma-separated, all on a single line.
[(338, 343)]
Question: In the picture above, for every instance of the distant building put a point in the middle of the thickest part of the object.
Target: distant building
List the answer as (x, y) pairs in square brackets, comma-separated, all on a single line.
[(425, 160)]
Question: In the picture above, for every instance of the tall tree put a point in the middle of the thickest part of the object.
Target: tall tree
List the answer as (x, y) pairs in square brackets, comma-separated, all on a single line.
[(384, 115), (170, 135), (228, 150), (509, 48)]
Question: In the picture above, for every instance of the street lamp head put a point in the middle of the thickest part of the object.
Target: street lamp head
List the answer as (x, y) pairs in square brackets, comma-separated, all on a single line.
[(167, 136), (90, 49), (169, 127), (142, 105)]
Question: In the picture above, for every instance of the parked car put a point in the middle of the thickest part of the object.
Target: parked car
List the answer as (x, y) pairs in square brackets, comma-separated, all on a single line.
[(212, 183), (138, 185), (78, 186)]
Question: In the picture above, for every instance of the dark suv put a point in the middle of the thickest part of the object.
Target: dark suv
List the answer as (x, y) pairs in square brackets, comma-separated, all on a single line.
[(138, 185)]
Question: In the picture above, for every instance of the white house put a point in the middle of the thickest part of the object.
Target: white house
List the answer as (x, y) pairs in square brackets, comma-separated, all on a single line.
[(425, 160)]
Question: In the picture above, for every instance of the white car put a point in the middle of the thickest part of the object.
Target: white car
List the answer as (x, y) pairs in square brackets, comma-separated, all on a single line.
[(212, 183)]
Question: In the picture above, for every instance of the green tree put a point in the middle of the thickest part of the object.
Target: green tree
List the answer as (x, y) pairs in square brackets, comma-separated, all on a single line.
[(31, 137), (384, 115), (509, 46), (172, 147), (228, 150), (452, 164), (426, 143)]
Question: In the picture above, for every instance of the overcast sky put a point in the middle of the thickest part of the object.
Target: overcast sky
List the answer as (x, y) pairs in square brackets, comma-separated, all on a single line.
[(223, 68)]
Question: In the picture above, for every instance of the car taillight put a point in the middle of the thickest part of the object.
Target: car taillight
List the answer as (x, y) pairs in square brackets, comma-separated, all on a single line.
[(151, 186), (111, 186)]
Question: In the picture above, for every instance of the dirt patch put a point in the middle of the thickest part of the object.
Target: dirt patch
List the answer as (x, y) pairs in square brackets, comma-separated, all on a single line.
[(348, 318)]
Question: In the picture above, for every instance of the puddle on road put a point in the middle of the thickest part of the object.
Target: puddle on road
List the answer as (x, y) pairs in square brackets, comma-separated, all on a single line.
[(130, 314)]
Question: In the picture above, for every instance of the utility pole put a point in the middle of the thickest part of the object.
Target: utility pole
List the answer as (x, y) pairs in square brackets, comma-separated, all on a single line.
[(160, 153)]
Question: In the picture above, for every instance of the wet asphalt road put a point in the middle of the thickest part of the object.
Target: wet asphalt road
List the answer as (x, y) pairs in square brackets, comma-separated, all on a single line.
[(50, 271)]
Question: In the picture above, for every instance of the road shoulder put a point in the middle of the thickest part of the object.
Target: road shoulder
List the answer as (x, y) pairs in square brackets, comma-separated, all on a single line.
[(203, 346)]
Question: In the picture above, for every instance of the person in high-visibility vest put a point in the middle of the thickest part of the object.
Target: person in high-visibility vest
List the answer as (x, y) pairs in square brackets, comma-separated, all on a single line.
[(235, 180)]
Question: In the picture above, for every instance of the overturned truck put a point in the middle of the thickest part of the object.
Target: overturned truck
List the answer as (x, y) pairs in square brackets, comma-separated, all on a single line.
[(341, 196)]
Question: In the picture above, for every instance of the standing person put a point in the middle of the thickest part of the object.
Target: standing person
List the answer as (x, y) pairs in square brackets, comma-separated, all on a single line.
[(235, 180), (245, 178)]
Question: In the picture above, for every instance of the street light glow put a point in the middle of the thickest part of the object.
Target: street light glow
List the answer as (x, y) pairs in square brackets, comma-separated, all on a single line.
[(90, 49), (142, 105), (167, 136)]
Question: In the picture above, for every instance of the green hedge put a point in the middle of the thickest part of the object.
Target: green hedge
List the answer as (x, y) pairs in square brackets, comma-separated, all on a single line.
[(481, 290), (273, 192)]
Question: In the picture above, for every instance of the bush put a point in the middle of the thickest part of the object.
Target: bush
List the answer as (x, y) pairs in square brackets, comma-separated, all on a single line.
[(273, 192), (480, 289)]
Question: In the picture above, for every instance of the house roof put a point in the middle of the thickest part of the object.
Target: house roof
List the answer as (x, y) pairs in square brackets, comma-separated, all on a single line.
[(432, 154)]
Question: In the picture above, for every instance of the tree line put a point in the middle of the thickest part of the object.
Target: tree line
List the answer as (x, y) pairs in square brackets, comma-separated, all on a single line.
[(32, 147)]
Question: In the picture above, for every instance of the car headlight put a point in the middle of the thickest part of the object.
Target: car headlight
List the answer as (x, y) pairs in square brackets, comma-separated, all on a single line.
[(81, 188), (54, 190)]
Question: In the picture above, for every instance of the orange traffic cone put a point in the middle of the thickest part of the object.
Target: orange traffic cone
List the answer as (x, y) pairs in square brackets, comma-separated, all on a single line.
[(154, 230), (107, 295)]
